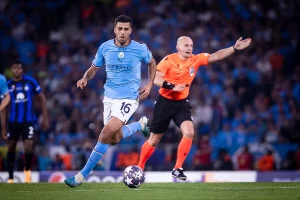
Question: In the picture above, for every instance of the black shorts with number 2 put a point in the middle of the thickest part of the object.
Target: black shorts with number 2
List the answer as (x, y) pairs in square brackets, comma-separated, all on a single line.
[(166, 110), (24, 129)]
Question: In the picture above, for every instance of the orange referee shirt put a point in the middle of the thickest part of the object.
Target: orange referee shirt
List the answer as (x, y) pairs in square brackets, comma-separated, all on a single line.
[(178, 71)]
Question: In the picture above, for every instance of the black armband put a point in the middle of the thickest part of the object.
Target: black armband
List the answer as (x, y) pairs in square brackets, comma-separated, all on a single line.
[(168, 85)]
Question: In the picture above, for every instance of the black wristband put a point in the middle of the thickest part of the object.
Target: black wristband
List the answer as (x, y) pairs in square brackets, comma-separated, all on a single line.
[(235, 49), (168, 85)]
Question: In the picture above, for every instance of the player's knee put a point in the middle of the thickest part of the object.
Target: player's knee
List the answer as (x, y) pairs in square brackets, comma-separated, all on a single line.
[(106, 137), (189, 134), (153, 141), (115, 140), (12, 146)]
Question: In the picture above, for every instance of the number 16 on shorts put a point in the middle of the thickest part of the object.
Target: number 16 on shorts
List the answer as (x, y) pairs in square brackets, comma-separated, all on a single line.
[(123, 109)]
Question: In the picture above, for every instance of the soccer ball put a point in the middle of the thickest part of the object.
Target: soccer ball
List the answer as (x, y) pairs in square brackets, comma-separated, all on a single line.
[(133, 176)]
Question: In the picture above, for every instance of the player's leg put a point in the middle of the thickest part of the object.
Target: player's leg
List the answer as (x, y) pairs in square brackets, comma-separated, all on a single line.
[(28, 139), (184, 121), (28, 147), (161, 119), (148, 148), (10, 158), (12, 137), (104, 140), (130, 129), (123, 110)]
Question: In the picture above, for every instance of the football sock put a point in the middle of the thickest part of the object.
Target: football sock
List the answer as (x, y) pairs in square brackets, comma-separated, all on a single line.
[(79, 178), (146, 151), (28, 160), (130, 129), (95, 156), (183, 150), (11, 156)]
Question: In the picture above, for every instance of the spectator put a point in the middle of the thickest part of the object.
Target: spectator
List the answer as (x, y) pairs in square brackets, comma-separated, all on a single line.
[(57, 163), (224, 161), (266, 162), (201, 160), (245, 160), (289, 163)]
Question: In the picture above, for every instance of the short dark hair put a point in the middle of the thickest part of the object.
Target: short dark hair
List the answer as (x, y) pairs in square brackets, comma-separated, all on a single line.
[(123, 19), (15, 62)]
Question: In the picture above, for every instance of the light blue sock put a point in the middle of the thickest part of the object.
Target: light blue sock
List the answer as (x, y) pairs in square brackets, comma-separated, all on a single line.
[(95, 156), (130, 129)]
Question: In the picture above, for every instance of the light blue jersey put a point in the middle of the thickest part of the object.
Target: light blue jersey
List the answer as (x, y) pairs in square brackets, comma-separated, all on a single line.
[(123, 68), (3, 85)]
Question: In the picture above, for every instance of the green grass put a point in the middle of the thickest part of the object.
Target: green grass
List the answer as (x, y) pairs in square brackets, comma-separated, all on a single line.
[(156, 191)]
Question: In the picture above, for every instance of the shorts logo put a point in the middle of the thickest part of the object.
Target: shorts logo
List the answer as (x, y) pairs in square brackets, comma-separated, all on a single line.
[(192, 71), (121, 55)]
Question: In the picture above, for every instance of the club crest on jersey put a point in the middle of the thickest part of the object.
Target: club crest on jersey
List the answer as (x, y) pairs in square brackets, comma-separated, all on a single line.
[(121, 54), (192, 71)]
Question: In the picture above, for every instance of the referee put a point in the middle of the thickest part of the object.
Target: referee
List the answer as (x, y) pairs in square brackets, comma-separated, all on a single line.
[(21, 119)]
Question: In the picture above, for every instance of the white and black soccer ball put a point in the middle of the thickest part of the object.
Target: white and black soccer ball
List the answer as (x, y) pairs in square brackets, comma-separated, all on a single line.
[(133, 176)]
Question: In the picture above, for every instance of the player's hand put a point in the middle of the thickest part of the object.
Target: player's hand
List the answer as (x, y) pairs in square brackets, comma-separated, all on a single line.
[(241, 44), (179, 87), (45, 124), (82, 83), (4, 134), (145, 91)]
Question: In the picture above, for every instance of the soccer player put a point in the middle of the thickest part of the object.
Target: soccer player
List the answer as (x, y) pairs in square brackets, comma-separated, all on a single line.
[(174, 75), (21, 120), (122, 58), (3, 93)]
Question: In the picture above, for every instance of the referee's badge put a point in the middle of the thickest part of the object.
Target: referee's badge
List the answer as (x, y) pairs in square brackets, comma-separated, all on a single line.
[(192, 71), (121, 54)]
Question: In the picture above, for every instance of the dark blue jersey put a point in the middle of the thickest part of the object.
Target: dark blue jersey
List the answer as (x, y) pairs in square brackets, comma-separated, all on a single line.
[(22, 93)]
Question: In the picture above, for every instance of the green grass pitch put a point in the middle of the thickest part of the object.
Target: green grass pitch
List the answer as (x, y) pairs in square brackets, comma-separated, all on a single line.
[(156, 191)]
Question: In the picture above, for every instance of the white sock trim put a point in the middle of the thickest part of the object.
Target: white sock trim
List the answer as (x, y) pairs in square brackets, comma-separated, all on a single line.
[(79, 178)]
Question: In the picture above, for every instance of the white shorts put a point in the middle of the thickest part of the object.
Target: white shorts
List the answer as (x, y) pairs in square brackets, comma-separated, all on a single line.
[(119, 108)]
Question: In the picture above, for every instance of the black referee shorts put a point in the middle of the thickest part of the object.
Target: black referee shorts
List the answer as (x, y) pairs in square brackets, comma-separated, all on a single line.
[(166, 110)]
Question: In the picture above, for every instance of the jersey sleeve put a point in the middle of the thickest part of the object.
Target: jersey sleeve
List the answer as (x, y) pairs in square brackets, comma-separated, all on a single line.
[(202, 59), (37, 88), (3, 85), (163, 66), (146, 55), (98, 60)]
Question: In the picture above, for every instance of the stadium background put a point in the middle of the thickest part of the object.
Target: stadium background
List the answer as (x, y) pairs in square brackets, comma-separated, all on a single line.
[(251, 98)]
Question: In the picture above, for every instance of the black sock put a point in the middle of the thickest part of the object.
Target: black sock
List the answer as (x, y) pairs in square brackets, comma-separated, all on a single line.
[(11, 156), (28, 160)]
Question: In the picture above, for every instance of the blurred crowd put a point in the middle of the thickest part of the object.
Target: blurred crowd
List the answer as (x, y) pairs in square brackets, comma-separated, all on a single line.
[(245, 108)]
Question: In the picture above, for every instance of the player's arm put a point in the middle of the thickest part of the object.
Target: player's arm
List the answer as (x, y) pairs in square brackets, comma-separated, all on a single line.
[(162, 68), (90, 73), (5, 101), (3, 123), (44, 110), (161, 82), (151, 71), (145, 91), (4, 91), (224, 53)]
